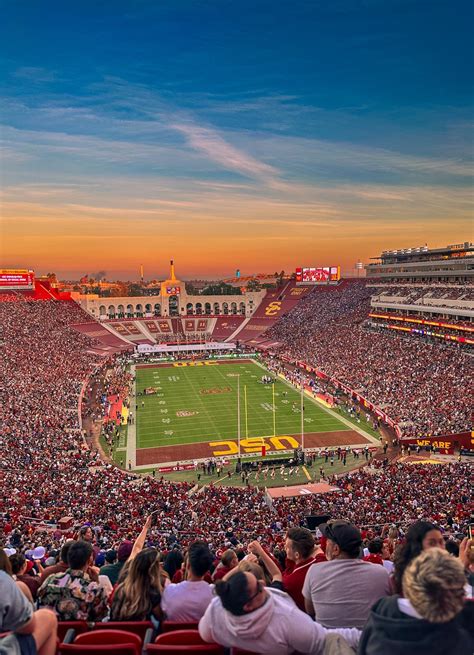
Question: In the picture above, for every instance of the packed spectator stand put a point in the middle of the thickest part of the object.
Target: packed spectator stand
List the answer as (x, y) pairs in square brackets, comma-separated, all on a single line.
[(48, 471), (426, 388)]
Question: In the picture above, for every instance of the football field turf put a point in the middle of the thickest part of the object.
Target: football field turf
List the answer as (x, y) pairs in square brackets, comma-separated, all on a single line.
[(198, 403)]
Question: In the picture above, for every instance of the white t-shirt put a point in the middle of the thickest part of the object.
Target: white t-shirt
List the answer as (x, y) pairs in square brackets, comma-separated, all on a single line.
[(389, 565), (186, 601), (343, 591)]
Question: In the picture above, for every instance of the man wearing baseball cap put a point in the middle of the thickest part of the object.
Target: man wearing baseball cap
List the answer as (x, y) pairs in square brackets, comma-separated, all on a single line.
[(340, 592)]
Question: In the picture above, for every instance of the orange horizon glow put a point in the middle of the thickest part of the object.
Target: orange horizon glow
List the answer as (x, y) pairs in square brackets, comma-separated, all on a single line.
[(213, 239)]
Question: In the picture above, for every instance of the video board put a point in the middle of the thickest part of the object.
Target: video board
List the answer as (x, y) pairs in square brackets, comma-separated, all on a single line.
[(320, 275), (13, 279)]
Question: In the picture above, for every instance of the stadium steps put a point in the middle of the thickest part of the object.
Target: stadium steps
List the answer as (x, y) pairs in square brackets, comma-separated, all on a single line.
[(109, 342), (274, 305), (233, 336), (149, 336)]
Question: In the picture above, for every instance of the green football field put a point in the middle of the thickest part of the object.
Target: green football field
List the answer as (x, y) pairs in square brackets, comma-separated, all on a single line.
[(199, 403)]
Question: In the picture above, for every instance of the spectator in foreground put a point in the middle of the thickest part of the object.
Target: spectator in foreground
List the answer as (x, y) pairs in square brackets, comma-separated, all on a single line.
[(421, 535), (339, 593), (229, 560), (61, 566), (271, 571), (74, 595), (188, 600), (32, 632), (300, 556), (434, 617), (20, 571), (251, 616), (374, 555), (5, 565), (138, 597), (109, 567), (173, 561), (112, 571)]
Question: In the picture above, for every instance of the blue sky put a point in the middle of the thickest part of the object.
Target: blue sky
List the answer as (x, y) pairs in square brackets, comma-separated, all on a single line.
[(287, 132)]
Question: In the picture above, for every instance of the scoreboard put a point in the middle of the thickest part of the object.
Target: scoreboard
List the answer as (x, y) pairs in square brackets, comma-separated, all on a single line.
[(321, 275), (14, 279)]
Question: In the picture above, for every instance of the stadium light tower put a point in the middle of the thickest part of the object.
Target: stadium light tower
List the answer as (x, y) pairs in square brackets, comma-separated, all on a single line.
[(238, 414), (302, 416)]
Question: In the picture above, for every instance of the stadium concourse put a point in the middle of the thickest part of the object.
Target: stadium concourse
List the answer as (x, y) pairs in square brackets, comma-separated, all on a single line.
[(55, 487)]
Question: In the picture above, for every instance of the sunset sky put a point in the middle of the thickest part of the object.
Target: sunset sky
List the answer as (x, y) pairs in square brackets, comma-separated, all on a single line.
[(232, 133)]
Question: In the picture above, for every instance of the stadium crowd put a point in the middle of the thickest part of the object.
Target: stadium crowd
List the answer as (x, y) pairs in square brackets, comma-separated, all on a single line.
[(48, 473), (328, 595), (425, 388)]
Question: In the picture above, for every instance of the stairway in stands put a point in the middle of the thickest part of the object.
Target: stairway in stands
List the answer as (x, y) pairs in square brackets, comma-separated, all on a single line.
[(273, 306)]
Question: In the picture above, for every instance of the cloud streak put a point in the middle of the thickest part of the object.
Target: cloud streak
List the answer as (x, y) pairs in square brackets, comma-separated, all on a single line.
[(213, 146)]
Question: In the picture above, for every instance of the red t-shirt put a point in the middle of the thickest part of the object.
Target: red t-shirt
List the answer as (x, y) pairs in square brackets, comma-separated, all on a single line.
[(373, 558), (220, 572), (293, 578)]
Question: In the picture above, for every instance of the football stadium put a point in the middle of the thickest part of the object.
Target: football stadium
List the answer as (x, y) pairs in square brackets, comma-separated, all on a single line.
[(236, 328), (210, 431)]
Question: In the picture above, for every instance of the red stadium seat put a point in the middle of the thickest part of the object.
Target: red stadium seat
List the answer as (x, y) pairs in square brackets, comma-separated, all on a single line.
[(116, 642), (78, 626), (183, 641), (139, 628), (171, 626)]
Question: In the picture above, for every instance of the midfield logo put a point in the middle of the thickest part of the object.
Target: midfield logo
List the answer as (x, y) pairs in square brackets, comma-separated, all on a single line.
[(207, 392)]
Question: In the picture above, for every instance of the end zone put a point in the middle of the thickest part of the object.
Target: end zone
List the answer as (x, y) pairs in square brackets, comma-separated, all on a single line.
[(253, 445)]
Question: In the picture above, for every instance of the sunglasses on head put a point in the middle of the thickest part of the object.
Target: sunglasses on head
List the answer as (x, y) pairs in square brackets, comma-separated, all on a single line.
[(260, 587), (330, 534)]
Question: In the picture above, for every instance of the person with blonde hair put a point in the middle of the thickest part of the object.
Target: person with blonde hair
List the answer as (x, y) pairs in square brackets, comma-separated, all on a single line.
[(433, 618), (138, 597)]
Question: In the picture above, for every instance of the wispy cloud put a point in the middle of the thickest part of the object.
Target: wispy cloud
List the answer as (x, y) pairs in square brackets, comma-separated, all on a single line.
[(35, 74), (217, 149), (312, 153)]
